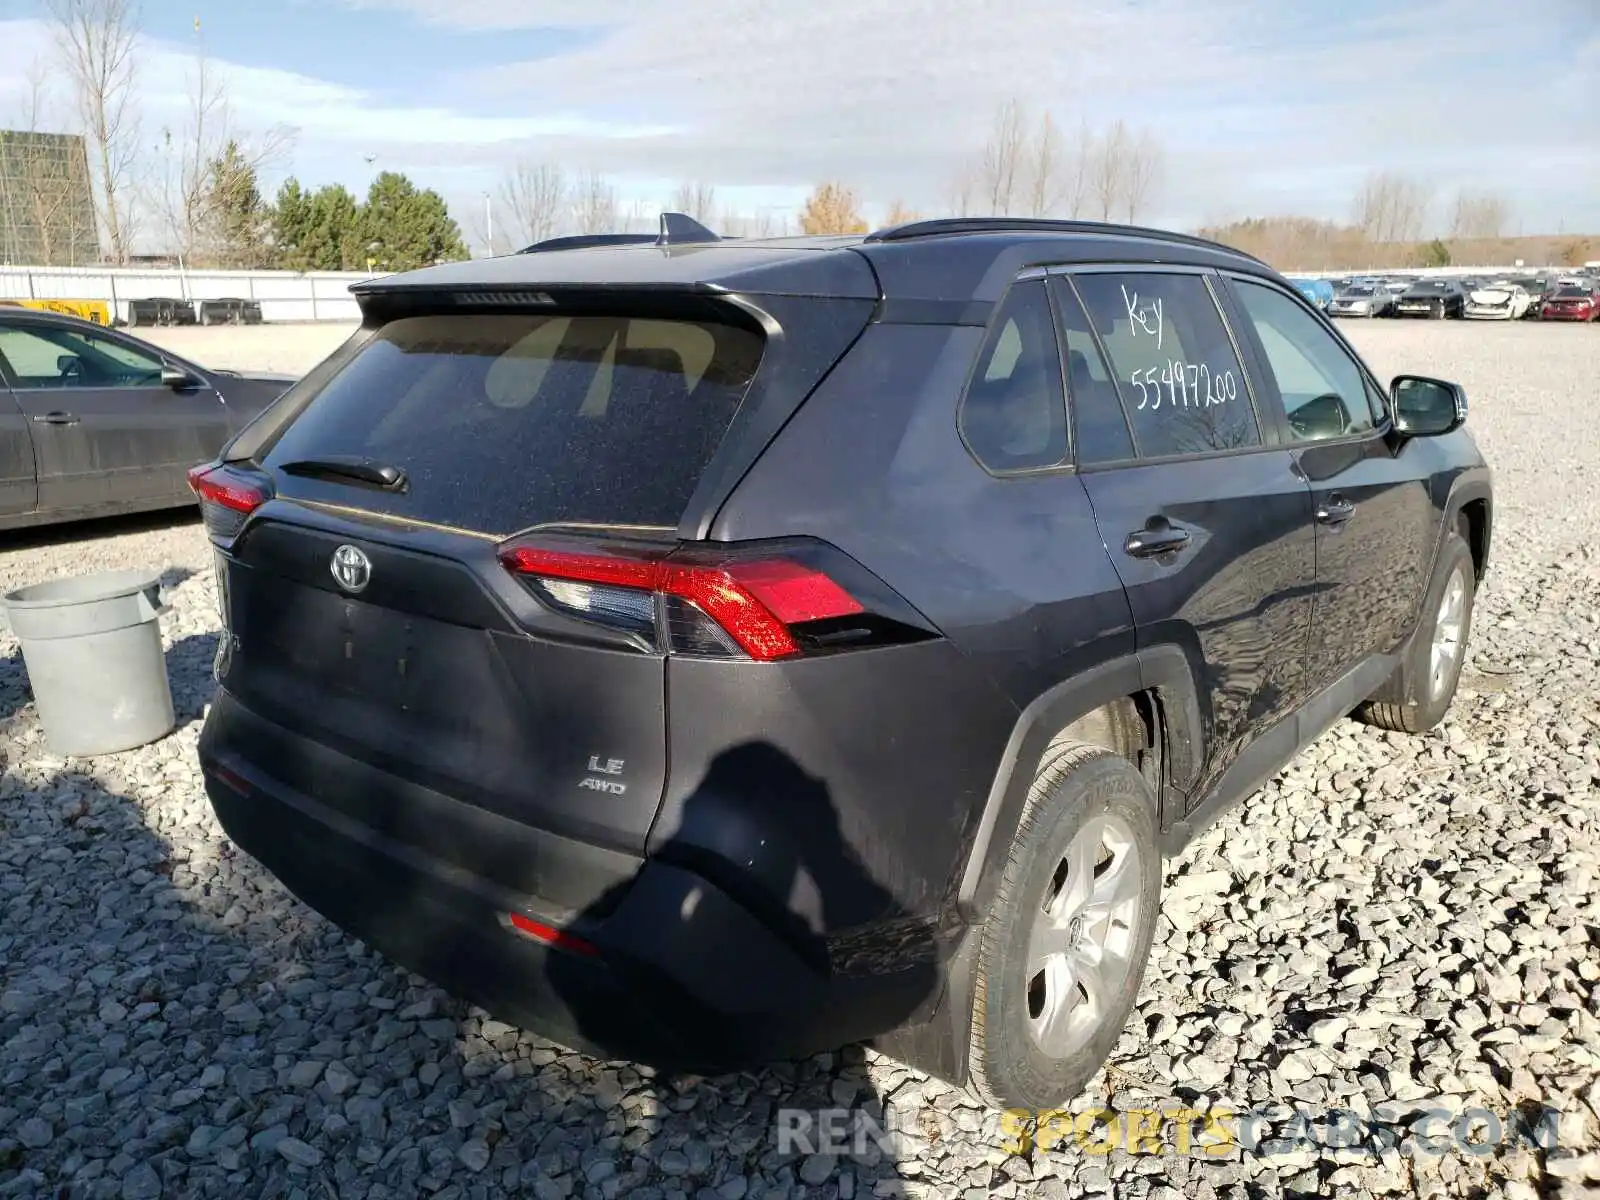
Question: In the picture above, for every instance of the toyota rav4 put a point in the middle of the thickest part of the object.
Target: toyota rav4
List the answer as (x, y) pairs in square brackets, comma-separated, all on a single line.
[(711, 651)]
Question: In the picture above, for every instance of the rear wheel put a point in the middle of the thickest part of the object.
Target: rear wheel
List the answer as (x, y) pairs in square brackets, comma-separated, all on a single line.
[(1064, 947), (1418, 695)]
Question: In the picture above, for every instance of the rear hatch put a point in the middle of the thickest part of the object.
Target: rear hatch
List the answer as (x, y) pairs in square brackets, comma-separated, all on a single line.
[(413, 568)]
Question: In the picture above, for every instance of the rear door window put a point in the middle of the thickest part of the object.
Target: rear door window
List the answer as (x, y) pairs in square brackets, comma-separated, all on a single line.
[(1174, 362), (505, 421), (1099, 427)]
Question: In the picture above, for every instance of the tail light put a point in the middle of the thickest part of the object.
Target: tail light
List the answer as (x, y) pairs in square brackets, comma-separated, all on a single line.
[(747, 602), (227, 497)]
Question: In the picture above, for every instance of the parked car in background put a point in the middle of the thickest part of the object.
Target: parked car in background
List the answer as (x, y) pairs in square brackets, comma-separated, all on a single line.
[(1505, 300), (592, 650), (1362, 300), (95, 422), (1537, 287), (1572, 302), (1317, 291), (1396, 287), (1437, 298)]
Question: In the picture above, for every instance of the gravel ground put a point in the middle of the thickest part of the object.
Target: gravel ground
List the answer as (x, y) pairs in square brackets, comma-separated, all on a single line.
[(1395, 927)]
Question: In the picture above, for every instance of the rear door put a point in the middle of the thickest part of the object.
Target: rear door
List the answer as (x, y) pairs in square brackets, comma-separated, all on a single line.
[(1205, 516), (1375, 519), (106, 431), (378, 621)]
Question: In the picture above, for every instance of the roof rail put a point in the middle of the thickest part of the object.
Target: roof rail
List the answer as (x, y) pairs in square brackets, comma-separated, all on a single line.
[(677, 229), (579, 241), (954, 225)]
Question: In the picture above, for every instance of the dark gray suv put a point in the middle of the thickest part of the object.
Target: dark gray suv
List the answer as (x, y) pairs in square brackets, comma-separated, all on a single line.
[(709, 651)]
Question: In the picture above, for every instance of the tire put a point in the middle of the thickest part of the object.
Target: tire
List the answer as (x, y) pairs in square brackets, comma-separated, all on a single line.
[(1013, 1059), (1414, 700)]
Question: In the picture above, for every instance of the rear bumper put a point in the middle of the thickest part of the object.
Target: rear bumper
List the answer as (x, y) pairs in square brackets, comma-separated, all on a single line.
[(684, 976)]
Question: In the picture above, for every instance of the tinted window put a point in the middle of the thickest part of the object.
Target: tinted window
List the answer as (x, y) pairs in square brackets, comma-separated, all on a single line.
[(44, 357), (1173, 361), (1099, 428), (1014, 416), (1324, 392), (502, 421)]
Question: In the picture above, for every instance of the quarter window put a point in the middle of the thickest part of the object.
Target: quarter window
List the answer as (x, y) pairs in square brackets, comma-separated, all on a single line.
[(1324, 391), (1014, 416), (1181, 382)]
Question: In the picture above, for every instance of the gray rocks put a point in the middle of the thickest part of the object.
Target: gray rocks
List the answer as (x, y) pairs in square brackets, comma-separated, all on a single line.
[(1394, 927)]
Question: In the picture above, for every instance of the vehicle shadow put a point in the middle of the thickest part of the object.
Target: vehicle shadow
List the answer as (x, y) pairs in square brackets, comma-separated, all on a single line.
[(685, 977), (174, 1023), (95, 529)]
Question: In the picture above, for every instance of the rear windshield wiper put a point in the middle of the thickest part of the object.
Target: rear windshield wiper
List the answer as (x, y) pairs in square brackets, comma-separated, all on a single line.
[(350, 467)]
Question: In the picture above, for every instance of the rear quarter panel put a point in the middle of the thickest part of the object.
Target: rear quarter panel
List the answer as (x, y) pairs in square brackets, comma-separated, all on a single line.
[(1012, 572)]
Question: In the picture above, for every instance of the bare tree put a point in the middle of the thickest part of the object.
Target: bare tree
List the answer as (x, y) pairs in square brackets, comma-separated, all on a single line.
[(963, 188), (1081, 164), (95, 40), (1480, 215), (1002, 163), (594, 203), (187, 182), (1391, 207), (1046, 163), (901, 213), (1108, 165), (532, 202), (697, 200), (1145, 159)]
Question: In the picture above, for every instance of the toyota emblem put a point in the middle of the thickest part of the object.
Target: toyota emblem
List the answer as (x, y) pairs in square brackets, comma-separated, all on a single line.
[(351, 568)]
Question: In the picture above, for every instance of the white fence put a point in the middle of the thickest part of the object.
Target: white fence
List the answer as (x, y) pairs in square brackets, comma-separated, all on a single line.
[(283, 295)]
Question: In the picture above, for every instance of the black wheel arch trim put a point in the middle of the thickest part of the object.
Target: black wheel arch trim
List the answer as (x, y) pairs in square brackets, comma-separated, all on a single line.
[(1161, 670)]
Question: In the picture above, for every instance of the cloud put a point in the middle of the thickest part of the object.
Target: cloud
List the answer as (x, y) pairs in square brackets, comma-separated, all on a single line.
[(1262, 106), (321, 110)]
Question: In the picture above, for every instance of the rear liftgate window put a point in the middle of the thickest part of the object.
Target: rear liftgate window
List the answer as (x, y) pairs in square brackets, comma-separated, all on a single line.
[(504, 421)]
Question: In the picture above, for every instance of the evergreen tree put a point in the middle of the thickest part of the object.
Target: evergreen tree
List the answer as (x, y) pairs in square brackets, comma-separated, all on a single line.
[(236, 217), (405, 228), (292, 219)]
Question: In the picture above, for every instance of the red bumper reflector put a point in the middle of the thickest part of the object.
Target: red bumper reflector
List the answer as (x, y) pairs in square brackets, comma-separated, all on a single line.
[(550, 935)]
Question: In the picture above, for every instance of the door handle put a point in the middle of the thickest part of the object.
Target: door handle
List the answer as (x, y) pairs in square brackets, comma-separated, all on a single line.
[(56, 418), (1336, 510), (1153, 540)]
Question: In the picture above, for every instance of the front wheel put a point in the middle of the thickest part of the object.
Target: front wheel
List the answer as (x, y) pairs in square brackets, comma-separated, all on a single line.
[(1064, 947), (1417, 696)]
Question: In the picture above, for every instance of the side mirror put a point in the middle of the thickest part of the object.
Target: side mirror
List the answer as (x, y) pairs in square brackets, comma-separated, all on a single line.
[(176, 378), (68, 365), (1425, 407)]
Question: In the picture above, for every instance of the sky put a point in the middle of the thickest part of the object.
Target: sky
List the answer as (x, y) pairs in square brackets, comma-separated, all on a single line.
[(1263, 107)]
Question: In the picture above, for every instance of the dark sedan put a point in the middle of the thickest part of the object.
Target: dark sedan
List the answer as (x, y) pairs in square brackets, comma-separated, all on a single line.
[(94, 422), (1437, 298)]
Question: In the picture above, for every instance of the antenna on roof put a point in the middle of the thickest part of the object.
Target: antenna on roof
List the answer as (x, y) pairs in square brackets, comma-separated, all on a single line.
[(678, 229)]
